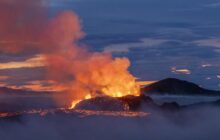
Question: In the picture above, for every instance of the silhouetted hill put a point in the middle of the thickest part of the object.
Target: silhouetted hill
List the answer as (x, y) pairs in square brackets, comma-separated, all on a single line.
[(172, 86), (7, 90), (12, 100)]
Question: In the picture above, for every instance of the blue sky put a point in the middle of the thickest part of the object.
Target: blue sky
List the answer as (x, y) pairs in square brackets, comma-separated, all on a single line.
[(181, 35), (172, 38)]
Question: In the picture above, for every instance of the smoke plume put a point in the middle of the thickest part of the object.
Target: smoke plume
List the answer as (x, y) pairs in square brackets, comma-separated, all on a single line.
[(26, 25)]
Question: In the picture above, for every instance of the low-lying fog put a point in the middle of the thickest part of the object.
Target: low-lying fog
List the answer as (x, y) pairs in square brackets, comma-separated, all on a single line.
[(183, 100), (200, 124)]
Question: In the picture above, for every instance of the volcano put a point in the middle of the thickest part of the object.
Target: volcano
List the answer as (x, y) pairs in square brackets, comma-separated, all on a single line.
[(144, 102), (102, 103), (126, 103)]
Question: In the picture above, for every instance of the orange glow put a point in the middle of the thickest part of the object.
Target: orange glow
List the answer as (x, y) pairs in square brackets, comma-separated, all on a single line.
[(3, 84), (44, 85), (122, 89), (4, 77), (145, 83), (88, 97), (114, 91), (75, 102), (40, 86), (100, 75), (37, 61), (180, 71), (118, 90)]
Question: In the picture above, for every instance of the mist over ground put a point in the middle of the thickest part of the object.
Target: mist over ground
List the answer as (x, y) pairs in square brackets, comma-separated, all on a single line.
[(183, 100), (201, 123)]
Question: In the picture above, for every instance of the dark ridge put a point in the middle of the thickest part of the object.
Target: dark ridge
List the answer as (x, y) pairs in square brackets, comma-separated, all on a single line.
[(174, 86), (7, 90)]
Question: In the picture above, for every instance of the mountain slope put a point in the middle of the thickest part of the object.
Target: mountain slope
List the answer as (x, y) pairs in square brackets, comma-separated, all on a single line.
[(172, 86), (6, 90), (11, 91)]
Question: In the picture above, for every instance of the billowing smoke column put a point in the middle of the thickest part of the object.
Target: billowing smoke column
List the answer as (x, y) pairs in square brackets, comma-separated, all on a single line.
[(24, 26)]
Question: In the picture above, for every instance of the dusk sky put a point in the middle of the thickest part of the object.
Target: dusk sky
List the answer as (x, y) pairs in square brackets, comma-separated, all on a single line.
[(172, 38), (109, 69)]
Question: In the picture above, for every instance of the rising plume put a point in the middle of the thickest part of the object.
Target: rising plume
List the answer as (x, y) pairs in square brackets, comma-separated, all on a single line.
[(26, 25)]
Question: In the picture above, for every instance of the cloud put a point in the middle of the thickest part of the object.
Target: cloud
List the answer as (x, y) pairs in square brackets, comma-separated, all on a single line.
[(3, 77), (213, 42), (213, 5), (125, 47), (41, 85), (180, 71), (36, 61), (207, 65), (210, 42)]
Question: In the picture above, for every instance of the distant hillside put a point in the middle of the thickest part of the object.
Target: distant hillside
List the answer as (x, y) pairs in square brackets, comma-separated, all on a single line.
[(7, 90), (174, 86)]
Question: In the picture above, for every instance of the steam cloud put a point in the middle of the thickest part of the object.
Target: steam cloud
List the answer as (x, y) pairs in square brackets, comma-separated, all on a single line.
[(25, 26)]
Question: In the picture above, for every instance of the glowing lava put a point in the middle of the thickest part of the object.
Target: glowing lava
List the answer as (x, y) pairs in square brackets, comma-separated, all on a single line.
[(119, 88), (75, 102), (122, 89)]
